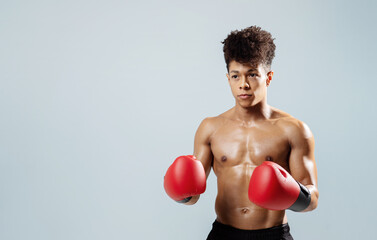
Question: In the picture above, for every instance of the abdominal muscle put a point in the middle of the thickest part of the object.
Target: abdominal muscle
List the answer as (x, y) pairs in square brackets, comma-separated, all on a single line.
[(233, 206)]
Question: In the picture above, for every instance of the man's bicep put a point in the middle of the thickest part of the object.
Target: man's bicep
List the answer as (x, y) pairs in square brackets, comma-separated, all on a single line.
[(202, 147), (301, 161)]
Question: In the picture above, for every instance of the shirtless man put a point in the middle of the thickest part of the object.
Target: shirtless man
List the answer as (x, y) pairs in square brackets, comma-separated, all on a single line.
[(237, 141)]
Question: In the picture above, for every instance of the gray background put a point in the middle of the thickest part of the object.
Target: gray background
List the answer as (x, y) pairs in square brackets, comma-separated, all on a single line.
[(97, 98)]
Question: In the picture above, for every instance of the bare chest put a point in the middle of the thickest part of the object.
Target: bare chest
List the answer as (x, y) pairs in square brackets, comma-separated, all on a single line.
[(234, 145)]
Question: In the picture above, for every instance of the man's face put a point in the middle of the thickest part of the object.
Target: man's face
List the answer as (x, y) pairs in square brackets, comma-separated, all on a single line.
[(248, 82)]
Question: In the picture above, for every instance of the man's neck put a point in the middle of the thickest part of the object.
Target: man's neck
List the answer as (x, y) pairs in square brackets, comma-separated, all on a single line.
[(258, 112)]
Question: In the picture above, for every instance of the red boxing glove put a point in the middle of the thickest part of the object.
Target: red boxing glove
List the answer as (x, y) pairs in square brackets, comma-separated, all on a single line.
[(186, 177), (272, 187)]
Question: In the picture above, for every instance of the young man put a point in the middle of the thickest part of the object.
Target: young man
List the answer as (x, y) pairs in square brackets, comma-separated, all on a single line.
[(263, 157)]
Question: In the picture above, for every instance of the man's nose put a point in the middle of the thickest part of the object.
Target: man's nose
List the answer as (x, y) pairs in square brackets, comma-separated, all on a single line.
[(244, 83)]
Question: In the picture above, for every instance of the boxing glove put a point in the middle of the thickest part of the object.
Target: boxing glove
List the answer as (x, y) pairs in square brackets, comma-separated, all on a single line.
[(186, 177), (272, 187)]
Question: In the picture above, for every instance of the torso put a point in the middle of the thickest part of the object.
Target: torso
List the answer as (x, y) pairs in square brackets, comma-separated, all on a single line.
[(238, 148)]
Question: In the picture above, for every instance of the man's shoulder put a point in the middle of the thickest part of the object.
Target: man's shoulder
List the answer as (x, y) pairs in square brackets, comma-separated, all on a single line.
[(291, 125), (216, 120), (209, 125)]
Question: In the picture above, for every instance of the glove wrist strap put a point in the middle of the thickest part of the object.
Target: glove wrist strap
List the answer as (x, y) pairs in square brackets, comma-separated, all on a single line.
[(303, 199), (185, 200)]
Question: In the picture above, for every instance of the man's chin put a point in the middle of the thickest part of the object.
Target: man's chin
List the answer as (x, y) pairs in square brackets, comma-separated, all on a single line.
[(245, 104)]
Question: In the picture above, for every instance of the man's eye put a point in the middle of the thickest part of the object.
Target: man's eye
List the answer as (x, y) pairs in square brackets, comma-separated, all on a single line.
[(252, 75), (234, 76)]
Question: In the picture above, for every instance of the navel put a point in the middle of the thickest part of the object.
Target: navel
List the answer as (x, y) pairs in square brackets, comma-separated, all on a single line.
[(268, 158), (245, 210), (223, 158)]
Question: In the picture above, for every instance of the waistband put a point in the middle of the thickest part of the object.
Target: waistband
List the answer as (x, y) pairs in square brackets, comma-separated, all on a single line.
[(267, 233)]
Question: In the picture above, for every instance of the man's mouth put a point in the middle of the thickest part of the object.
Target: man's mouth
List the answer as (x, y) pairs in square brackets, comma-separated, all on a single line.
[(244, 96)]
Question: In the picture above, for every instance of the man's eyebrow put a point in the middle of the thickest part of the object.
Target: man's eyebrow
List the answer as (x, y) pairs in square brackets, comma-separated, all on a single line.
[(250, 70)]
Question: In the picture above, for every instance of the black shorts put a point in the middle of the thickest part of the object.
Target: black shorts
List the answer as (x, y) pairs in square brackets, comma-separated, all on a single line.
[(225, 232)]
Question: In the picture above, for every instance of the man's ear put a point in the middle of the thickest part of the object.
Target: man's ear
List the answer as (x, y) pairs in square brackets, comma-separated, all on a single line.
[(227, 75), (270, 74)]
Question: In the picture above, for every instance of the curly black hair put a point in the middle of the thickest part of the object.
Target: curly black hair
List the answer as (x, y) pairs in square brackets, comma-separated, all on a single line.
[(250, 45)]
